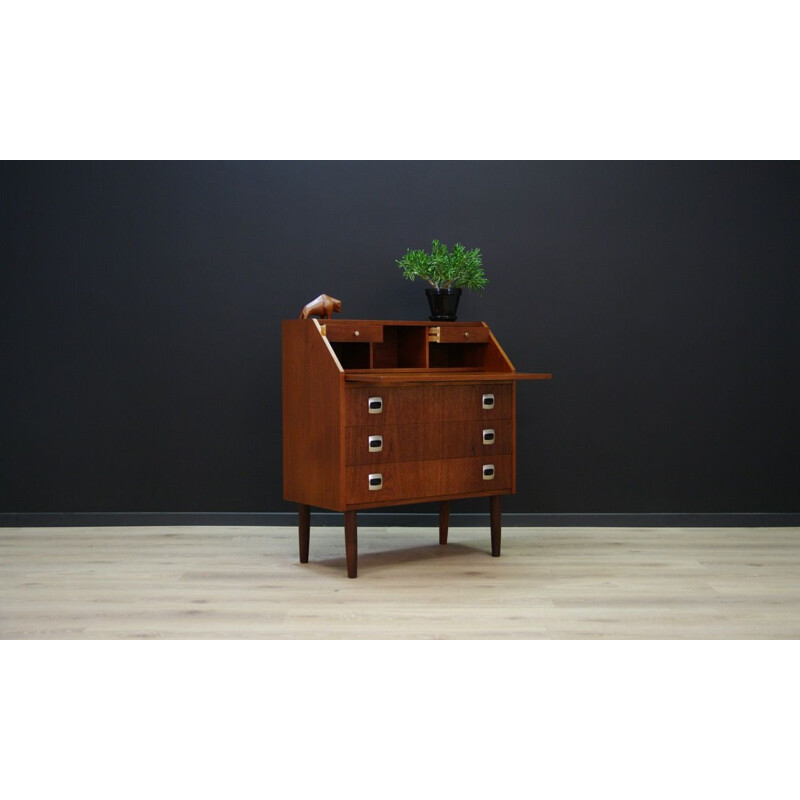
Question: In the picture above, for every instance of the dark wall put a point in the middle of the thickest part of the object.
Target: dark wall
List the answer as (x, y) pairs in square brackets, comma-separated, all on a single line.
[(140, 308)]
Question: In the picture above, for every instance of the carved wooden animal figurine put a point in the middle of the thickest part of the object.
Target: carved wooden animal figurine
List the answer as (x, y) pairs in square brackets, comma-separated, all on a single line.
[(322, 306)]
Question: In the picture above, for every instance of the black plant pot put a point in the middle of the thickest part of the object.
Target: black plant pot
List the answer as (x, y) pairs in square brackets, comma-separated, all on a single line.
[(443, 303)]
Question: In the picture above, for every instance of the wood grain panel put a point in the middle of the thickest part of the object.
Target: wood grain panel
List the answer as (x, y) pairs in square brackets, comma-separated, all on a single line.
[(313, 454), (426, 441), (423, 479), (407, 404)]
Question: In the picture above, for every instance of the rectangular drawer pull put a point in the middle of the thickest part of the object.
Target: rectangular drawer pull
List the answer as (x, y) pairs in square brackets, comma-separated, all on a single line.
[(488, 472), (487, 401), (375, 444), (488, 435), (375, 481), (375, 405)]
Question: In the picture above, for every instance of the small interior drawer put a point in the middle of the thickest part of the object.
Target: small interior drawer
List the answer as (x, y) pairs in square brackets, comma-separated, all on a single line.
[(346, 331), (461, 334)]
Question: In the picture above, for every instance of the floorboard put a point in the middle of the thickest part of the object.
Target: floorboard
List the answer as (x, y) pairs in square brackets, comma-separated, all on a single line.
[(550, 583)]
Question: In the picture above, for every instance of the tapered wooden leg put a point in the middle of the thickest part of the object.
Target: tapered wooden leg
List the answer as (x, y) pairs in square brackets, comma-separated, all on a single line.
[(495, 516), (304, 530), (351, 543), (444, 520)]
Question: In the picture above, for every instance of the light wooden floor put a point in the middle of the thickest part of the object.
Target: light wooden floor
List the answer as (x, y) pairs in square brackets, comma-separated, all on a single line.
[(246, 582)]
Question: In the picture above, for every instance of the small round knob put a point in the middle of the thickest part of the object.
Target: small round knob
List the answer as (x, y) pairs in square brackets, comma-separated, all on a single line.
[(466, 334), (356, 333)]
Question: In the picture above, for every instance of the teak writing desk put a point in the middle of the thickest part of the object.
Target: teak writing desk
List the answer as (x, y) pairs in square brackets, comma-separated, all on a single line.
[(383, 413)]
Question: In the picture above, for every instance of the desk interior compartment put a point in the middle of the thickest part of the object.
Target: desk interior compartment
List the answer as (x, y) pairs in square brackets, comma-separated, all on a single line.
[(403, 347), (353, 355), (461, 354)]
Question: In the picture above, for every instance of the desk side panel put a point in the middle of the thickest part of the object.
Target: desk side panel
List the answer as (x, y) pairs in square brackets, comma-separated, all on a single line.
[(496, 358), (313, 433)]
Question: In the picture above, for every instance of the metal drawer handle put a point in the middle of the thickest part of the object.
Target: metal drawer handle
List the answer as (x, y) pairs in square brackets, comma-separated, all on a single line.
[(488, 435), (375, 405), (375, 444), (487, 401), (488, 472), (375, 481)]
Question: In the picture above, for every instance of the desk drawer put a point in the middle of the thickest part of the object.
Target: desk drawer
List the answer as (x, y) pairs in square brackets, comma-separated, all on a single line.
[(427, 441), (346, 331), (416, 480), (459, 334), (396, 405)]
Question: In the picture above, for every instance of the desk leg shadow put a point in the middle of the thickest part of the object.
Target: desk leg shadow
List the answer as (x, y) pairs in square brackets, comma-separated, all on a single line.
[(351, 531)]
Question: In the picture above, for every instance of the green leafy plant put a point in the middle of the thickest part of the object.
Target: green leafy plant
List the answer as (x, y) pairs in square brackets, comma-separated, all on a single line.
[(445, 269)]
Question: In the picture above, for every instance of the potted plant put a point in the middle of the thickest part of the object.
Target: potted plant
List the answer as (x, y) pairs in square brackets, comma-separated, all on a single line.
[(447, 272)]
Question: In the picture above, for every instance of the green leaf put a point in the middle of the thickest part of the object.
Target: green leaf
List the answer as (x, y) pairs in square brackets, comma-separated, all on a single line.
[(443, 269)]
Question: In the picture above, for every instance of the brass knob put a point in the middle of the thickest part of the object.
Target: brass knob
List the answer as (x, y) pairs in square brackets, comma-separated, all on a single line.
[(466, 334), (356, 334)]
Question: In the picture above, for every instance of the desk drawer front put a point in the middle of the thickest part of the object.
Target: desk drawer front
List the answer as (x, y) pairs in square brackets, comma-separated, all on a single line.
[(428, 404), (459, 334), (420, 479), (427, 441), (345, 331)]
